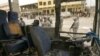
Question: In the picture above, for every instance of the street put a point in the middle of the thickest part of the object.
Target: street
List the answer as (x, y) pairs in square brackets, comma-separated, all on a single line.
[(85, 23)]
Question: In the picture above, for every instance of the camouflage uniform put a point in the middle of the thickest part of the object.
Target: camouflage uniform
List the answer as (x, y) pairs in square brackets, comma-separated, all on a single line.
[(75, 26)]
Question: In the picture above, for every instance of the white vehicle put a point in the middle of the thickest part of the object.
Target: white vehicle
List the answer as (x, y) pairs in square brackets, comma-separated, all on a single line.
[(66, 14)]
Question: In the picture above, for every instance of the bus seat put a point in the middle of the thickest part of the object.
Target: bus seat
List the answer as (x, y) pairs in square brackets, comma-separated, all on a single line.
[(43, 43), (41, 40), (12, 28), (3, 21), (21, 42), (18, 46)]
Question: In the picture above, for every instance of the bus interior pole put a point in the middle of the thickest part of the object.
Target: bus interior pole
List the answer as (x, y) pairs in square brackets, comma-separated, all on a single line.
[(95, 18), (10, 5), (99, 17), (57, 23)]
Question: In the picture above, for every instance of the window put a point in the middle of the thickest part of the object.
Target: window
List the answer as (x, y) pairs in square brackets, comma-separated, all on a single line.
[(40, 13), (63, 10), (44, 11), (44, 3), (70, 9), (52, 10), (49, 2), (40, 3), (47, 11)]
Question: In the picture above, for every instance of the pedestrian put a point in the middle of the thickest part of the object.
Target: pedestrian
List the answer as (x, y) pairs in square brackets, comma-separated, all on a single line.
[(22, 24), (40, 19), (36, 23), (44, 22), (49, 21), (75, 26)]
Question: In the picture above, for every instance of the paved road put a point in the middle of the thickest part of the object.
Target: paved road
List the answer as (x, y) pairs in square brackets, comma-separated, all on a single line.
[(85, 23)]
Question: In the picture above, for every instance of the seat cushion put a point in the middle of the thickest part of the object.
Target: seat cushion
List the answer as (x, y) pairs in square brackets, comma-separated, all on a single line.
[(18, 46)]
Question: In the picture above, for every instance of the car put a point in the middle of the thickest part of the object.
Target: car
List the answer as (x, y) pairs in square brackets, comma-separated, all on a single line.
[(66, 14)]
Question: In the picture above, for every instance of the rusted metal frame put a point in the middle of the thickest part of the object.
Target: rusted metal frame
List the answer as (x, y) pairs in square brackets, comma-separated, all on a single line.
[(95, 18), (57, 23), (72, 33), (10, 5)]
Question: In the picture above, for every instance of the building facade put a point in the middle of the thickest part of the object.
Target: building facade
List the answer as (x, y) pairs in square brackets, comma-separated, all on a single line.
[(45, 7), (15, 6), (48, 6), (4, 7), (29, 10)]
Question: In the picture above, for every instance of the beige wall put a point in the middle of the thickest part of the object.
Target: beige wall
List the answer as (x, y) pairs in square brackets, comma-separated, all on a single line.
[(52, 3), (75, 6)]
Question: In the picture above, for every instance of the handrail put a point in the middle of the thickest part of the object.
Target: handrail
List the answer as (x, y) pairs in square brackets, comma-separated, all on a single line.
[(72, 33), (3, 41)]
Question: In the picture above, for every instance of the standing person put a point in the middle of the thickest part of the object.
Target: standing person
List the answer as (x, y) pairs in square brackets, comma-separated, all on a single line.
[(44, 22), (49, 22), (36, 23), (75, 26), (40, 19), (61, 23), (22, 24)]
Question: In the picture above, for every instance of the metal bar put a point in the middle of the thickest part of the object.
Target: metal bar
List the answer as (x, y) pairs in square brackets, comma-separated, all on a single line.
[(71, 0), (96, 47), (98, 18), (10, 5), (72, 33), (95, 18), (57, 23)]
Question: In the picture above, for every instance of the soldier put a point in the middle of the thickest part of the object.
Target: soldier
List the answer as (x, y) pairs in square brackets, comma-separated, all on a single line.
[(75, 26)]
